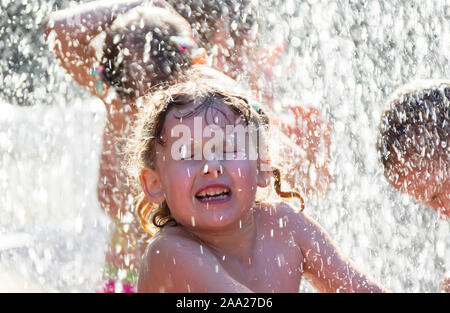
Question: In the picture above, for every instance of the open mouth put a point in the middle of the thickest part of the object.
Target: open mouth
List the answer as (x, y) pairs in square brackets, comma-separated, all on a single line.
[(213, 194)]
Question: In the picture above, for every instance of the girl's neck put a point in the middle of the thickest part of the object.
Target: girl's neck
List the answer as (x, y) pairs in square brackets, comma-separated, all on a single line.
[(237, 242)]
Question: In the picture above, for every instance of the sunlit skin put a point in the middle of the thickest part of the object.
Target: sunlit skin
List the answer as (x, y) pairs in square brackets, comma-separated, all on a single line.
[(234, 245), (428, 185)]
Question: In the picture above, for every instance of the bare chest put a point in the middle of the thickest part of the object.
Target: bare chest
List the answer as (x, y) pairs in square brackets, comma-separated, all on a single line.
[(275, 266)]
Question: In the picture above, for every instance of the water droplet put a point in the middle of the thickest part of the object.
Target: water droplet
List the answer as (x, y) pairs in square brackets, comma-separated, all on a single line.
[(183, 152), (234, 25), (116, 39), (193, 221)]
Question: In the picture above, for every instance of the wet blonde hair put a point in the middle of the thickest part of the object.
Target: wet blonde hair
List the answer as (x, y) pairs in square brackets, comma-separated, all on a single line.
[(203, 88)]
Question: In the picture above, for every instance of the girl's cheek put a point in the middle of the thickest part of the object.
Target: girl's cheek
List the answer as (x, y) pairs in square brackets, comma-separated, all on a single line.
[(181, 174), (243, 172)]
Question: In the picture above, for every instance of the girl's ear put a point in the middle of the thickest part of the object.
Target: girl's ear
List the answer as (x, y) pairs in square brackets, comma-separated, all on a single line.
[(151, 185), (264, 173)]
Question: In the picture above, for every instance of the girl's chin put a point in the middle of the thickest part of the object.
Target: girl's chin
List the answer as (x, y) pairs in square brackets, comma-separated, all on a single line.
[(217, 214), (217, 218)]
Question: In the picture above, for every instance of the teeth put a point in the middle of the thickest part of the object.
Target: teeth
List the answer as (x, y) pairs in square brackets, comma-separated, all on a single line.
[(215, 197), (221, 192)]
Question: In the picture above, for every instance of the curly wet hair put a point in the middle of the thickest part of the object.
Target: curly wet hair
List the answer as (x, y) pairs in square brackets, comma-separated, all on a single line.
[(206, 91), (415, 125)]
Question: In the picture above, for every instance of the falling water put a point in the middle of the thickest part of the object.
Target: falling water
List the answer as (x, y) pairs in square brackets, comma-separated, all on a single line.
[(348, 57), (344, 57)]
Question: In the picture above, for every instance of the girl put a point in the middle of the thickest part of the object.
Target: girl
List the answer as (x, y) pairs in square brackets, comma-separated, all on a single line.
[(200, 192), (119, 50)]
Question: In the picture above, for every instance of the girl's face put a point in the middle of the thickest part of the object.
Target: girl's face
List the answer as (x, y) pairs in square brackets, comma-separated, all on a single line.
[(207, 189)]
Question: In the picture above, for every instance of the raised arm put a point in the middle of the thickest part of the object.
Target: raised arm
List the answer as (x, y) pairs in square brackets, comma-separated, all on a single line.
[(70, 33), (325, 266), (177, 264)]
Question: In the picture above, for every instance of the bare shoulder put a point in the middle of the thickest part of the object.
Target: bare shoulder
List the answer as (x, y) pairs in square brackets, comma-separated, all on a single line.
[(168, 245), (282, 210), (166, 252), (171, 237), (303, 227), (176, 262)]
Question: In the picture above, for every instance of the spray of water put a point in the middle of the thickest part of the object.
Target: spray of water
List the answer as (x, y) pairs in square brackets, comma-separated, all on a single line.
[(343, 57)]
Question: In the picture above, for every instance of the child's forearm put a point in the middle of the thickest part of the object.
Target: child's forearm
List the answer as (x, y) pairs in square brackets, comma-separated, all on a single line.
[(343, 280), (69, 34), (87, 20), (362, 283)]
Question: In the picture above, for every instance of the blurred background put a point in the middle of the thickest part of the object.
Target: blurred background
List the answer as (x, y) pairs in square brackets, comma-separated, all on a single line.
[(343, 57)]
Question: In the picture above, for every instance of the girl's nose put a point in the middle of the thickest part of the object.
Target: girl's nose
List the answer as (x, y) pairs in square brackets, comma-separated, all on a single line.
[(212, 168)]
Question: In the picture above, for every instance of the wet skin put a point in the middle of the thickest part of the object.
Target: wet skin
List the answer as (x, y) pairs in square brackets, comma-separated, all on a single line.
[(429, 186), (231, 244)]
